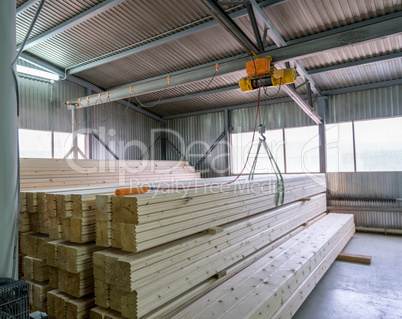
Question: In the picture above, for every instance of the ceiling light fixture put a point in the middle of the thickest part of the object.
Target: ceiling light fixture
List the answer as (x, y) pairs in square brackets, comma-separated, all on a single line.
[(38, 73)]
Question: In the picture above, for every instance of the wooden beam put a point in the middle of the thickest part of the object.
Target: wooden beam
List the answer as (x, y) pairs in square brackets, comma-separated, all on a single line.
[(361, 259)]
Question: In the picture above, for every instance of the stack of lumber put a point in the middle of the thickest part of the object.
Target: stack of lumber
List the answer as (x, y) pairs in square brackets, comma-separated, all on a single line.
[(181, 242), (61, 305), (62, 175), (34, 268), (58, 203), (152, 219), (276, 285), (58, 173), (71, 277)]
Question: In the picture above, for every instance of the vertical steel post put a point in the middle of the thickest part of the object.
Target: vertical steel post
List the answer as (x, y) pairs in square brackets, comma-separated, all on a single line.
[(322, 103), (88, 126), (163, 143), (74, 131), (9, 180), (229, 146)]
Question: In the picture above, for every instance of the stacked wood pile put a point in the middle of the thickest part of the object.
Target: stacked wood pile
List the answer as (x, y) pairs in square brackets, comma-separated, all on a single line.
[(58, 203), (59, 173), (277, 284), (34, 268), (182, 243)]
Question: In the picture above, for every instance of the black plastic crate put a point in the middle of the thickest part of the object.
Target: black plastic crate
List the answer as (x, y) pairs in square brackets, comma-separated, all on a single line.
[(14, 299)]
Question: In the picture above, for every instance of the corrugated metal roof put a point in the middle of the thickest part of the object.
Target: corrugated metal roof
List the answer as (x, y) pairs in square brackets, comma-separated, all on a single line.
[(136, 22), (354, 53), (208, 102), (370, 73), (130, 24), (53, 13)]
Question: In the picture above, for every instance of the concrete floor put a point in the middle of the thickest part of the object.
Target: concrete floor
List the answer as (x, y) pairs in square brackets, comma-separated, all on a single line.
[(350, 290)]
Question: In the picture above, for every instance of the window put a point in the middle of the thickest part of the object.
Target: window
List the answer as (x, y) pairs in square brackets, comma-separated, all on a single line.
[(379, 145), (35, 144), (302, 153), (63, 142), (340, 147), (241, 144), (38, 144)]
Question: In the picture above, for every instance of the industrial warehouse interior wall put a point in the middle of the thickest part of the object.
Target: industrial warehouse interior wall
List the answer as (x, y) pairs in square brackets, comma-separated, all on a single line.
[(128, 134), (125, 131), (42, 104), (361, 105), (274, 116), (373, 190), (193, 136)]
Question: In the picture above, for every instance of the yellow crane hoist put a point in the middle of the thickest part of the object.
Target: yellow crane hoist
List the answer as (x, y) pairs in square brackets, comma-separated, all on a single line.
[(261, 70)]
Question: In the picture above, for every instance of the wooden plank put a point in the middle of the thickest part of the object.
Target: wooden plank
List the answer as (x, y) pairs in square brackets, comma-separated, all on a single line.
[(285, 271), (354, 258)]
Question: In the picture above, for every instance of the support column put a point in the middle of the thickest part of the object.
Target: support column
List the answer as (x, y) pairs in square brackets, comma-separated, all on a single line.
[(74, 131), (229, 149), (322, 104), (88, 126), (9, 181), (163, 142)]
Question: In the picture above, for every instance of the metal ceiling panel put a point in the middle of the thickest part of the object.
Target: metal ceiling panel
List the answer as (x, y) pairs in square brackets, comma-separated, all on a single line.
[(371, 73), (297, 18), (355, 52), (136, 22), (188, 52), (223, 99), (122, 27), (53, 13)]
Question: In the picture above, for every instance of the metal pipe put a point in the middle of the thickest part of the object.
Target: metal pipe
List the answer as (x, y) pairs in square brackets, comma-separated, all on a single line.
[(9, 183)]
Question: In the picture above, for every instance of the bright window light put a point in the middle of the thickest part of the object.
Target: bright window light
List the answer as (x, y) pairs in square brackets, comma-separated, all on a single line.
[(38, 73)]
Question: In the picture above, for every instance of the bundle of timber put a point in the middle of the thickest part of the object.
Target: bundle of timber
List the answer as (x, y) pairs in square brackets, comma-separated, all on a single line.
[(34, 268), (153, 219), (276, 285), (215, 233), (71, 278), (61, 305), (38, 197), (58, 173)]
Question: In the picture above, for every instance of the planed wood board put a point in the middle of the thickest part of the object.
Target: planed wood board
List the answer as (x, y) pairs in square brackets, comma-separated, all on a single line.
[(243, 282)]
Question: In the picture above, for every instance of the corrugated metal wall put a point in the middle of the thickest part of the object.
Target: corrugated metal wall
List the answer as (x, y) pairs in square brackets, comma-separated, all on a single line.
[(376, 185), (193, 136), (383, 102), (274, 116), (42, 104), (128, 133), (42, 108)]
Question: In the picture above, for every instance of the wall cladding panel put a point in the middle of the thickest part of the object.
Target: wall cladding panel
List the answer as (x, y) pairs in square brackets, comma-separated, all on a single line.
[(119, 128), (378, 185), (202, 131), (361, 105)]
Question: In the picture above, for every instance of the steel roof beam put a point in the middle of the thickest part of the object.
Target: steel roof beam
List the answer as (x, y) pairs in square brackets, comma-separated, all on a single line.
[(72, 78), (369, 32), (280, 42), (227, 22), (363, 87), (25, 6), (356, 88), (169, 38), (254, 24), (313, 71), (351, 64), (231, 108), (70, 23)]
